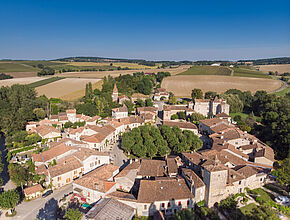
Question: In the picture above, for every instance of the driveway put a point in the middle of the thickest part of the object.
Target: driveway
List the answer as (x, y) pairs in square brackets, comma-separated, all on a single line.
[(41, 208)]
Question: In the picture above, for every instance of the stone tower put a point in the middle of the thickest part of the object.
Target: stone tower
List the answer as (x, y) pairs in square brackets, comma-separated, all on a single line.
[(215, 178), (115, 94)]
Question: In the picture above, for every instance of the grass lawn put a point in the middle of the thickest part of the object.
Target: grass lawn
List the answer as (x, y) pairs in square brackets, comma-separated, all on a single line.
[(207, 70), (44, 82), (248, 208), (243, 115), (250, 73), (283, 92)]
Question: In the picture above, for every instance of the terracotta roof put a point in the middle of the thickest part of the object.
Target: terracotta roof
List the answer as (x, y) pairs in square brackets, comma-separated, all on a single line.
[(51, 153), (152, 168), (54, 117), (171, 165), (66, 141), (68, 111), (265, 151), (220, 127), (161, 90), (174, 107), (246, 171), (44, 130), (120, 109), (96, 138), (147, 109), (84, 153), (122, 196), (192, 176), (223, 115), (234, 176), (64, 165), (98, 178), (163, 190), (132, 166), (62, 118), (115, 90), (213, 121), (33, 189), (194, 157), (185, 125), (41, 169), (201, 100)]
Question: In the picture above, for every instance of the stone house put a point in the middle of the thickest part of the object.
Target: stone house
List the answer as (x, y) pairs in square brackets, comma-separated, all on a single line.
[(121, 112), (33, 192)]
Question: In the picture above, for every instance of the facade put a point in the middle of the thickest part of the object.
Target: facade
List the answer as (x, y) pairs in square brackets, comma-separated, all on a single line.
[(121, 112)]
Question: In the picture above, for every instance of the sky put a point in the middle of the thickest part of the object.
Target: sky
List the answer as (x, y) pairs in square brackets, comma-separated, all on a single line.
[(151, 30)]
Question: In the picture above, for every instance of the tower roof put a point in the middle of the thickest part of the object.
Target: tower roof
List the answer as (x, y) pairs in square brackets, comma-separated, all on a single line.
[(115, 90)]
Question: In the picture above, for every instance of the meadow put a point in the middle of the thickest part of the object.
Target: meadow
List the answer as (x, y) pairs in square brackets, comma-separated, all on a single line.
[(207, 70), (181, 85)]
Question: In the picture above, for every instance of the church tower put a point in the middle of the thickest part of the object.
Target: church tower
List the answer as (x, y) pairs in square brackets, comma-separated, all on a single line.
[(115, 94)]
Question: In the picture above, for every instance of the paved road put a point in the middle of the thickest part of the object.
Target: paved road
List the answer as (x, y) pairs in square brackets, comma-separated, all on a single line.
[(118, 155), (282, 87), (41, 208)]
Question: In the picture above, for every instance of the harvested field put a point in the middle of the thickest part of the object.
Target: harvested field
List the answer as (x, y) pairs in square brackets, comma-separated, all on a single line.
[(181, 86), (64, 87), (80, 93), (22, 74), (280, 68), (115, 73), (26, 80)]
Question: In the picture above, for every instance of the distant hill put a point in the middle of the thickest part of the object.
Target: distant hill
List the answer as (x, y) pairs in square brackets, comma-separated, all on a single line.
[(280, 60), (115, 60)]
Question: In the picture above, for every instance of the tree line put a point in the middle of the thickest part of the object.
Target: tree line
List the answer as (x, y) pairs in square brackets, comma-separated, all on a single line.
[(149, 141)]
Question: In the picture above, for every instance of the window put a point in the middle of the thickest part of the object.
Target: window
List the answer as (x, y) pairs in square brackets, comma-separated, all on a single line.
[(99, 162), (168, 204), (89, 194), (179, 203), (187, 202), (240, 182), (145, 207), (75, 172), (59, 178), (162, 205)]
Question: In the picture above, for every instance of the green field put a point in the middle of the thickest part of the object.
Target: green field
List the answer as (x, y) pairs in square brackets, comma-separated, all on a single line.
[(44, 82), (224, 71), (249, 73), (283, 92), (243, 115), (207, 70), (7, 67)]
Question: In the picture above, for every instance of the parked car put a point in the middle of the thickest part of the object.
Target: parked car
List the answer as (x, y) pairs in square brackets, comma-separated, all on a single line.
[(282, 199), (47, 193)]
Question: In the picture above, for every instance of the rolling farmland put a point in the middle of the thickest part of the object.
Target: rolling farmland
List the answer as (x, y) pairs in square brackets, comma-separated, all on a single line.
[(207, 70), (181, 85), (64, 87), (280, 68)]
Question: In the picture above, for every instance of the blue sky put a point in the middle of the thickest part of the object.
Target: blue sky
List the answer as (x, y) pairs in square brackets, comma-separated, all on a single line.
[(152, 30)]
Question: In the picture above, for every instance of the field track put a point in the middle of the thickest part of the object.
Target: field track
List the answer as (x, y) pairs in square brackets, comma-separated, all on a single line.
[(181, 86)]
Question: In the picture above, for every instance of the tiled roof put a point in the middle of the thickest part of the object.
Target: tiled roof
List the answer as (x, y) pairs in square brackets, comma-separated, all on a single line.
[(108, 208), (223, 115), (194, 157), (152, 168), (98, 178), (62, 118), (234, 176), (33, 189), (51, 153), (174, 107), (213, 121), (185, 125), (65, 141), (122, 196), (64, 165), (147, 109), (192, 176), (84, 153), (246, 171), (96, 138), (120, 109), (68, 111), (163, 190), (132, 166), (44, 130), (171, 165)]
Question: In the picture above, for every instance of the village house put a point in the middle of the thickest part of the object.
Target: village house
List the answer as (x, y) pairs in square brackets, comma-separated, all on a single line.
[(121, 112), (109, 208), (182, 125), (33, 192), (160, 94), (96, 184), (47, 132), (224, 116), (69, 115), (213, 125)]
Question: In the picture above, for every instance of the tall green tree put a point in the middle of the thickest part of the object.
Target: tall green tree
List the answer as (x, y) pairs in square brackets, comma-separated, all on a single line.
[(9, 199), (196, 94), (73, 214)]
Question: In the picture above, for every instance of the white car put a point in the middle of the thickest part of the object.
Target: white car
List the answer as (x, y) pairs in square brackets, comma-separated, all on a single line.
[(282, 199)]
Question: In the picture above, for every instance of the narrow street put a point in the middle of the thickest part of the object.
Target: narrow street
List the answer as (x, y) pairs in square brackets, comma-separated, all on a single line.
[(40, 208)]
